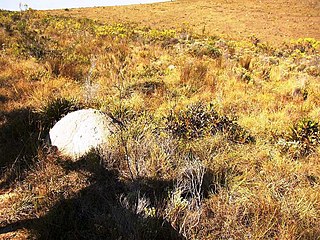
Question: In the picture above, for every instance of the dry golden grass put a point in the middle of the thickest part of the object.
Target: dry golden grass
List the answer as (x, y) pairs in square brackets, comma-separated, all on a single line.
[(214, 144), (270, 21)]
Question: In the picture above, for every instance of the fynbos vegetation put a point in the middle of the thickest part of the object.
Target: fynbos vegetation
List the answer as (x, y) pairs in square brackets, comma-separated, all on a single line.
[(218, 139)]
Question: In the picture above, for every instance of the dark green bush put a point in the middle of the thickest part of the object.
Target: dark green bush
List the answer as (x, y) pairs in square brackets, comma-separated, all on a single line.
[(303, 138), (199, 50), (54, 110), (197, 120)]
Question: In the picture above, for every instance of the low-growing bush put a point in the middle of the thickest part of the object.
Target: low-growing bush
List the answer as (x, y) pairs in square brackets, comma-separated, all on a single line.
[(309, 45), (54, 110), (302, 138), (148, 87), (198, 120), (199, 50)]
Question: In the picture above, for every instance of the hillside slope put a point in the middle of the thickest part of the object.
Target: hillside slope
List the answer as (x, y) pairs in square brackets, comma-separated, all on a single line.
[(272, 21), (220, 137)]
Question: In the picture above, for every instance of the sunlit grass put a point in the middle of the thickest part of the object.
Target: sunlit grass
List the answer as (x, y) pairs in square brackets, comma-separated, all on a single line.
[(219, 113)]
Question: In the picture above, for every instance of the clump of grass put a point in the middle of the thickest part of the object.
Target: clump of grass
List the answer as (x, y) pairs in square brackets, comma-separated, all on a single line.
[(185, 202), (19, 138), (245, 61), (194, 72), (67, 64), (55, 109)]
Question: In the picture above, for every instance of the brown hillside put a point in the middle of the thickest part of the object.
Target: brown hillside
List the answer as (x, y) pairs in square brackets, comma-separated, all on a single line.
[(274, 21)]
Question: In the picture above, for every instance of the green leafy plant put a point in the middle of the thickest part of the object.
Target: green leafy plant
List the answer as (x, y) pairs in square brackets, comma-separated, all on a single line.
[(198, 120), (302, 139)]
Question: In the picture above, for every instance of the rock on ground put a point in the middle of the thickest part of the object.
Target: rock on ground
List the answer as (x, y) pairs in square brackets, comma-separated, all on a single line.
[(81, 131)]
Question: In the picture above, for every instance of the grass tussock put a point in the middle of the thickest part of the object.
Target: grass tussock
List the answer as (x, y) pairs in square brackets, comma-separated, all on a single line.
[(219, 138)]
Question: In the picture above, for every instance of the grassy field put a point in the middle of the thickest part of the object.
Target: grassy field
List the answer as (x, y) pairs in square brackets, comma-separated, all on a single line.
[(221, 137), (269, 21)]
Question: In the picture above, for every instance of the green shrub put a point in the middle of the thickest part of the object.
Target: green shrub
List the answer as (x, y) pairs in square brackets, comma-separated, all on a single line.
[(160, 35), (54, 110), (198, 120), (199, 50), (302, 139)]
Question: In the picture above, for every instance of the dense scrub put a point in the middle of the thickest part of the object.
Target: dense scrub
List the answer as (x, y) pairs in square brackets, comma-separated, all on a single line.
[(219, 138)]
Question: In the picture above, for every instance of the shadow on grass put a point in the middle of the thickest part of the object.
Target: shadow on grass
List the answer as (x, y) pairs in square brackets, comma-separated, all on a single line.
[(3, 99), (19, 142), (97, 211)]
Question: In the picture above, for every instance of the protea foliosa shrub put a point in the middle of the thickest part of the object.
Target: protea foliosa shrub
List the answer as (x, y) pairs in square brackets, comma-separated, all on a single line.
[(198, 120), (302, 138)]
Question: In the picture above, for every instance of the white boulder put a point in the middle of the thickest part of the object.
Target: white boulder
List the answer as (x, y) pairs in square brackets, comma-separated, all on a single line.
[(81, 131)]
